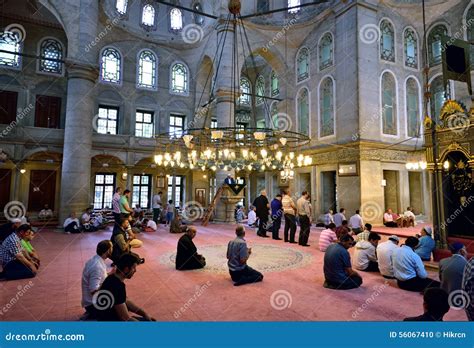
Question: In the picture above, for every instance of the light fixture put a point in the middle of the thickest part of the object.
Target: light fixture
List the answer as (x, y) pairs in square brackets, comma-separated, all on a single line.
[(22, 170), (124, 175), (446, 165)]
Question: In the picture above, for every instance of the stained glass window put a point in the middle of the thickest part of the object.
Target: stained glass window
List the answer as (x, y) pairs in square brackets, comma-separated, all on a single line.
[(148, 15), (179, 78), (176, 19), (10, 42), (437, 97), (121, 6), (389, 104), (275, 84), (274, 115), (413, 108), (326, 104), (325, 51), (260, 89), (51, 51), (303, 112), (245, 90), (434, 44), (147, 70), (303, 64), (387, 42), (110, 66), (411, 48)]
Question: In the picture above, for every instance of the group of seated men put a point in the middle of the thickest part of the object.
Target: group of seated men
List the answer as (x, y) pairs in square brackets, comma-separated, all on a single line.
[(407, 219)]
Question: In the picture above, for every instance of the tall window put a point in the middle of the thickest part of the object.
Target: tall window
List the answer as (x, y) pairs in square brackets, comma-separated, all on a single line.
[(176, 186), (107, 120), (437, 97), (11, 43), (326, 104), (103, 190), (141, 191), (260, 89), (179, 78), (275, 84), (176, 125), (274, 115), (148, 15), (198, 19), (303, 111), (325, 51), (263, 6), (410, 44), (213, 123), (413, 108), (241, 126), (434, 44), (51, 52), (387, 41), (245, 90), (293, 3), (389, 104), (121, 6), (302, 63), (470, 31), (110, 66), (147, 70), (176, 19), (144, 124)]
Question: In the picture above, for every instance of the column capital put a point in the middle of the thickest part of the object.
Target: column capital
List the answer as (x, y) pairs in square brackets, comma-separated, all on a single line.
[(81, 70)]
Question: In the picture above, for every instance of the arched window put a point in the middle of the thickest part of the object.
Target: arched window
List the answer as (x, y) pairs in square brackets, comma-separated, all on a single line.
[(198, 19), (389, 104), (387, 42), (244, 98), (121, 6), (148, 15), (437, 90), (260, 89), (302, 63), (275, 84), (293, 3), (469, 24), (326, 105), (176, 19), (410, 46), (12, 43), (325, 51), (110, 65), (413, 108), (274, 115), (179, 78), (51, 51), (434, 44), (303, 111), (147, 69)]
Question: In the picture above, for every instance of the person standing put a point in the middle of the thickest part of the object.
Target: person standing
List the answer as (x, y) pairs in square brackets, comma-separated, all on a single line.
[(384, 255), (93, 275), (277, 213), (356, 222), (157, 205), (289, 212), (304, 213), (123, 203), (116, 204), (339, 217), (451, 269), (237, 255), (262, 205)]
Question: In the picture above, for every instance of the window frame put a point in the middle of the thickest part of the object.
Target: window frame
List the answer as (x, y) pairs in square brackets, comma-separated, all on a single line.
[(39, 61), (420, 106), (175, 30), (186, 79), (152, 123), (176, 115), (108, 107), (247, 95), (140, 193), (259, 82), (145, 26), (331, 64), (154, 87), (298, 113), (396, 113), (103, 192), (333, 135), (394, 41), (20, 47), (429, 48), (101, 67), (308, 63)]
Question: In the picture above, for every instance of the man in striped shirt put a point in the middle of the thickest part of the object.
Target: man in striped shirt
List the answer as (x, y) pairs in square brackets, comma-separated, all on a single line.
[(327, 237)]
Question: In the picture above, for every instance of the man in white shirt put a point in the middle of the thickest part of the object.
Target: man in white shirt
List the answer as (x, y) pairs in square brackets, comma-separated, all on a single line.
[(365, 256), (304, 216), (45, 213), (157, 207), (328, 218), (116, 204), (388, 219), (409, 218), (384, 255), (356, 223), (409, 269), (252, 218), (339, 217), (93, 275), (71, 224)]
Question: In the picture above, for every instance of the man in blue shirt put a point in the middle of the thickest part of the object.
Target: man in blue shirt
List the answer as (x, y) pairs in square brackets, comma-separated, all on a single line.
[(277, 213), (426, 244), (338, 272), (237, 256)]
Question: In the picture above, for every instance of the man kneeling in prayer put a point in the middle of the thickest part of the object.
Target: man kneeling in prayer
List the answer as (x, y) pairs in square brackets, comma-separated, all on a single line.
[(187, 257)]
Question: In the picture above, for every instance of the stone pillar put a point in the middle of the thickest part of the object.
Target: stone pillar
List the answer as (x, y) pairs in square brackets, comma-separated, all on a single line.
[(76, 166), (371, 192)]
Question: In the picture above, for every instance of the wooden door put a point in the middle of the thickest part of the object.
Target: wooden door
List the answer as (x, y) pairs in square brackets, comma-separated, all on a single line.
[(47, 111), (42, 189), (8, 102), (5, 187)]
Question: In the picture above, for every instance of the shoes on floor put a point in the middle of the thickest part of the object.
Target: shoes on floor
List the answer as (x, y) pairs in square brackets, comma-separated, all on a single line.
[(277, 238), (305, 245), (292, 242)]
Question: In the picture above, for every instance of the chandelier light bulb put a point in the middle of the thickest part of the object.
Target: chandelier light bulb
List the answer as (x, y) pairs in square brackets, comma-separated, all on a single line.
[(292, 155), (226, 152), (283, 141), (264, 153), (245, 153), (423, 165)]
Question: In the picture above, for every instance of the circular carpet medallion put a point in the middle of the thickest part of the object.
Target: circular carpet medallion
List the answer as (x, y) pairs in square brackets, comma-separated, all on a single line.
[(264, 258)]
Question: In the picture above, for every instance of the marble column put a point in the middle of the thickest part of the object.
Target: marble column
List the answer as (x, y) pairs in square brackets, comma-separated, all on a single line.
[(76, 166)]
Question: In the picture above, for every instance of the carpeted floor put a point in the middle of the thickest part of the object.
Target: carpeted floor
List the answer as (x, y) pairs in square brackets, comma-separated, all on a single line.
[(291, 290)]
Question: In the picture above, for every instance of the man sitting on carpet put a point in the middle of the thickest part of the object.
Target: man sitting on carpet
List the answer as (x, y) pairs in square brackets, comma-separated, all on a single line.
[(451, 269), (93, 275), (237, 256), (365, 234), (392, 220), (176, 226), (327, 237), (435, 305), (409, 269), (343, 229), (426, 244), (114, 292), (121, 238), (16, 262), (26, 243), (45, 213), (384, 255), (409, 218), (71, 224), (365, 255), (356, 222), (8, 228), (338, 272), (187, 257)]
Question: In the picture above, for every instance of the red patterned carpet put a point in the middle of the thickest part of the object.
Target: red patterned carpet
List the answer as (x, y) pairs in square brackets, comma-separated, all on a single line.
[(291, 291)]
